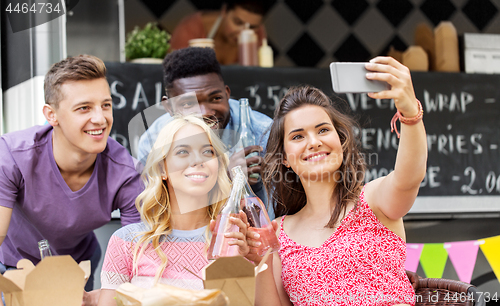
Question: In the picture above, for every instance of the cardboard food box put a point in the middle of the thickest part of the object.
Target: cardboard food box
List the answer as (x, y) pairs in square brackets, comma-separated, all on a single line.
[(416, 59), (55, 281), (235, 276), (446, 48), (482, 53), (424, 37), (164, 295)]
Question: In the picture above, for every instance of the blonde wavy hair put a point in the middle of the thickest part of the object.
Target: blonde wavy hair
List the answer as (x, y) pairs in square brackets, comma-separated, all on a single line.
[(154, 202)]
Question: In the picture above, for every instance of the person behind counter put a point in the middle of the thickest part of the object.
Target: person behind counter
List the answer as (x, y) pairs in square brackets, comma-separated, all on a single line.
[(62, 180), (197, 70), (223, 26), (186, 185), (341, 242)]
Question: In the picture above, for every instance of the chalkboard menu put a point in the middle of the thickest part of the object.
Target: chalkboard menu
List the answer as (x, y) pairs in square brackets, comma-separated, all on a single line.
[(461, 116)]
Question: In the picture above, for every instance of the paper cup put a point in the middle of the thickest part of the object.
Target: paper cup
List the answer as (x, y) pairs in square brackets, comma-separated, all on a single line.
[(202, 42)]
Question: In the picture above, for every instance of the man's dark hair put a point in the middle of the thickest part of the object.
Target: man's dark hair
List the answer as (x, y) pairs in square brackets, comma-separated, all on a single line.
[(189, 62), (255, 6)]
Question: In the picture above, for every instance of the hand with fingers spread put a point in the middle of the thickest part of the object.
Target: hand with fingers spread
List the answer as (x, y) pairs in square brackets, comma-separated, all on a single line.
[(399, 78)]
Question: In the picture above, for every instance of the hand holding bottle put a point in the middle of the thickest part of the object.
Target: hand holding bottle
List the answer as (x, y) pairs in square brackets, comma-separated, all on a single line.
[(236, 238), (254, 162), (258, 219), (250, 158), (229, 225), (249, 141), (254, 243)]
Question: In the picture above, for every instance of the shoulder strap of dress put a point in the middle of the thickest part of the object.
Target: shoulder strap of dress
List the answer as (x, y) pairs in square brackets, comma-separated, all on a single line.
[(281, 223), (361, 199)]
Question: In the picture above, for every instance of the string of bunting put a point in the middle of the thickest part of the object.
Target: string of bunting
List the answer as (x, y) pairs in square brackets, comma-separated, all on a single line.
[(462, 254)]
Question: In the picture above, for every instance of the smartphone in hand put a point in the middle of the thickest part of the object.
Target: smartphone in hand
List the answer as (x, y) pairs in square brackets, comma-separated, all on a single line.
[(351, 78)]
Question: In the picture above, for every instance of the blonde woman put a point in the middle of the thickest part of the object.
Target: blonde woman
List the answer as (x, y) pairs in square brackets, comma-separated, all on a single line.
[(186, 184)]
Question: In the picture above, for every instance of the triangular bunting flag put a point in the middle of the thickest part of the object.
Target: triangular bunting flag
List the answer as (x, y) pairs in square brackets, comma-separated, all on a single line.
[(463, 257), (413, 251), (433, 259), (491, 250)]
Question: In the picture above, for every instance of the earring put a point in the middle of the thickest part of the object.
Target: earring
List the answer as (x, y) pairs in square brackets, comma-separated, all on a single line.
[(164, 177), (285, 163)]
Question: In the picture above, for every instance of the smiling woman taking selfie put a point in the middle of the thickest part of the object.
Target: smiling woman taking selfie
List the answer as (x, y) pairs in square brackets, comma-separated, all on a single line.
[(342, 241)]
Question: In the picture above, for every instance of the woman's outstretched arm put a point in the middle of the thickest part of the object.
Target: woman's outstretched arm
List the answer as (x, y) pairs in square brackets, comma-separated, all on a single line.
[(395, 194)]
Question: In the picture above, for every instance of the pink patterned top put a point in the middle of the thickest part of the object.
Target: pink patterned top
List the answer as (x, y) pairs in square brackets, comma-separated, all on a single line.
[(183, 249), (362, 263)]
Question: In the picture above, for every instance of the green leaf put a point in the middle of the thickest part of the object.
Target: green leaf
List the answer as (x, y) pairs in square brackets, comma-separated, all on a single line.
[(148, 42)]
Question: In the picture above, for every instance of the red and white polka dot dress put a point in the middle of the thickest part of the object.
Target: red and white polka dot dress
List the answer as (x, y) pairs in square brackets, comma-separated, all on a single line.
[(362, 263)]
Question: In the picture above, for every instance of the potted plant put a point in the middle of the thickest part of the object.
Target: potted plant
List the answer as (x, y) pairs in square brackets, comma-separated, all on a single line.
[(147, 45)]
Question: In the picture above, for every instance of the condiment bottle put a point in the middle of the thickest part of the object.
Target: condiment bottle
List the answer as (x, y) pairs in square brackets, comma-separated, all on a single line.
[(247, 47), (265, 55)]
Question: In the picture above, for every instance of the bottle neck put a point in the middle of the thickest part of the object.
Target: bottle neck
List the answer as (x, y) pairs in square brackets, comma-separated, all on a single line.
[(233, 203), (244, 113), (43, 246), (246, 190), (45, 253), (247, 36), (246, 133)]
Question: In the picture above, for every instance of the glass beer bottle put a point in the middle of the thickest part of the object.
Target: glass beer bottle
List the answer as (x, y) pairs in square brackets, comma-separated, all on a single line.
[(43, 246), (247, 135), (219, 246), (257, 216)]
